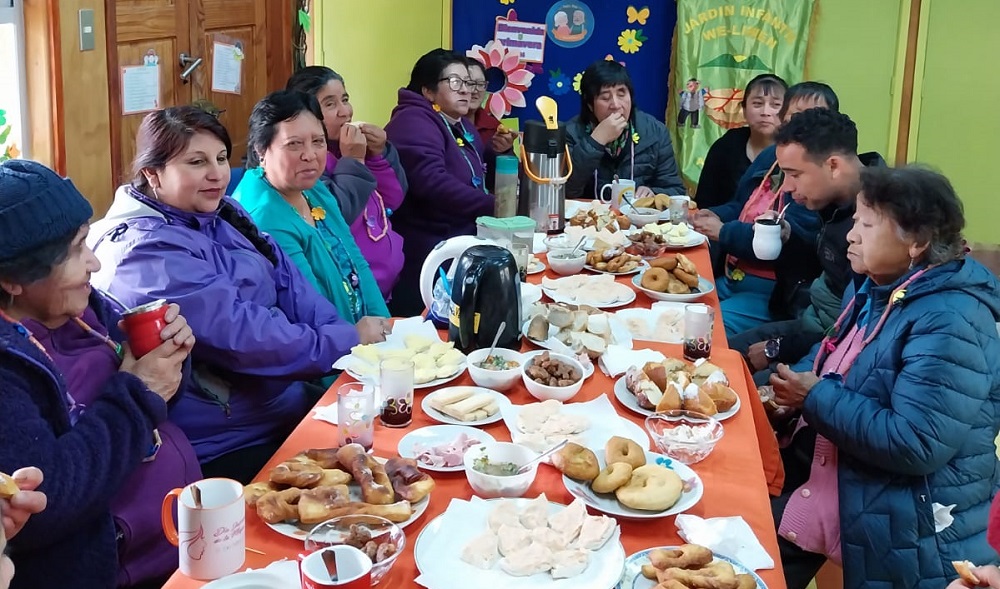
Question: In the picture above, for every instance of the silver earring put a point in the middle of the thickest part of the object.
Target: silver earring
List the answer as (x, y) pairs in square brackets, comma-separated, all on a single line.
[(156, 195)]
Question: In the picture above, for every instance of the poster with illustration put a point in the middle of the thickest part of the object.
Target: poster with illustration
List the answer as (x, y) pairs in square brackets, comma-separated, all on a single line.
[(570, 24), (719, 49), (637, 34)]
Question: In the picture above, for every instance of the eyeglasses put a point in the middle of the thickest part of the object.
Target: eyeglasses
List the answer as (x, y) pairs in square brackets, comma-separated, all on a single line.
[(456, 83)]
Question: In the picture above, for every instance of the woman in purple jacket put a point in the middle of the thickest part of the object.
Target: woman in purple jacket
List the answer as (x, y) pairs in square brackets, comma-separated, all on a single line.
[(263, 329), (76, 403), (444, 160), (362, 171)]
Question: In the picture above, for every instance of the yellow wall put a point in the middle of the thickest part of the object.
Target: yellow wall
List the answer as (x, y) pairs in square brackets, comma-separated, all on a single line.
[(956, 125), (374, 43)]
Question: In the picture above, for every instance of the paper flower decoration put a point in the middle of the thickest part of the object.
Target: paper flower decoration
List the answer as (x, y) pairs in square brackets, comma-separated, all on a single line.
[(506, 2), (559, 84), (630, 40), (318, 213), (576, 82), (517, 78)]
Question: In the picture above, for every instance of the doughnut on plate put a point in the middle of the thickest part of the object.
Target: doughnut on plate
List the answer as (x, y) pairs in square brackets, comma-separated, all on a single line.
[(608, 503)]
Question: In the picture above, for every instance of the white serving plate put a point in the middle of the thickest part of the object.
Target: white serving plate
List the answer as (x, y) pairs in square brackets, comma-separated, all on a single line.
[(433, 435), (439, 417), (632, 404), (632, 577)]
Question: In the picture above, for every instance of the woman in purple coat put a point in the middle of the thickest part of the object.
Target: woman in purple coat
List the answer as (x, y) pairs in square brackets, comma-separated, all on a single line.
[(362, 171), (264, 332), (445, 166)]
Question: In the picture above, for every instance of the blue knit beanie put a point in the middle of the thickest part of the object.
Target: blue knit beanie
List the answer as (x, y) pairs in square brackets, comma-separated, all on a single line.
[(37, 206)]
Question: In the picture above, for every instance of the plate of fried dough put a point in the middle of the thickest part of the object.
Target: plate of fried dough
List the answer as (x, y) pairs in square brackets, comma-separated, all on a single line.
[(624, 480), (690, 565), (674, 278), (321, 484)]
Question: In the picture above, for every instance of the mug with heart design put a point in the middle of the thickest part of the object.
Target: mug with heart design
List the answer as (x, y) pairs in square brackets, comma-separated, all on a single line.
[(335, 567), (210, 533)]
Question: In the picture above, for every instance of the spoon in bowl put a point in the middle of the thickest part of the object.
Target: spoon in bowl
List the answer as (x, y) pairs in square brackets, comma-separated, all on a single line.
[(496, 338), (524, 467)]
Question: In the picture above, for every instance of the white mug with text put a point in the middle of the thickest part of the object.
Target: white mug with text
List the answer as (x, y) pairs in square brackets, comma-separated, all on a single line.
[(211, 537), (621, 190)]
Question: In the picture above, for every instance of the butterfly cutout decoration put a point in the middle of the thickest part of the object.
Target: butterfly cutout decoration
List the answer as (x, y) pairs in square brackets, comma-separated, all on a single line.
[(639, 16)]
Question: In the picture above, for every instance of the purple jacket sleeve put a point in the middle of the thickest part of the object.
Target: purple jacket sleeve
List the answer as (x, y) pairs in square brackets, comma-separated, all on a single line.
[(422, 151), (84, 467), (300, 338), (388, 181)]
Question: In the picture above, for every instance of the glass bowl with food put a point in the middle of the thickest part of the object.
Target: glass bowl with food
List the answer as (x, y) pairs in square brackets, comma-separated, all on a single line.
[(376, 536)]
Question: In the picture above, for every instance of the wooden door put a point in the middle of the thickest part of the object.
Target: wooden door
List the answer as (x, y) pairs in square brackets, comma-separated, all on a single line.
[(193, 27)]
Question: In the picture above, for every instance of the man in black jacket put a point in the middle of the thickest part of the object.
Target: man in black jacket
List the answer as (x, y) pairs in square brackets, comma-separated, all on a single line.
[(817, 151)]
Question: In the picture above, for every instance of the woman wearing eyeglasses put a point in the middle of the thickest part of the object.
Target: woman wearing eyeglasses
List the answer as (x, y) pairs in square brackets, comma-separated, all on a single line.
[(445, 163)]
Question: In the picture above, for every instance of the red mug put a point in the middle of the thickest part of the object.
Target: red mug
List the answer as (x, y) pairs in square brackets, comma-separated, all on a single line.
[(143, 325), (354, 569)]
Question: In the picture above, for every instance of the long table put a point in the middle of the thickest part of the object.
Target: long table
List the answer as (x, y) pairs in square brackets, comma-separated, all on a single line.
[(734, 474)]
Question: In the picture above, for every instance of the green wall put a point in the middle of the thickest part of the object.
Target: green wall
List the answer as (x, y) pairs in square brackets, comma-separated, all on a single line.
[(853, 48), (374, 43), (956, 124)]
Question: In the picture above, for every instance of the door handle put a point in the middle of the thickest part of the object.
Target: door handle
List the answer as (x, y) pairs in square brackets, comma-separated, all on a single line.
[(192, 64)]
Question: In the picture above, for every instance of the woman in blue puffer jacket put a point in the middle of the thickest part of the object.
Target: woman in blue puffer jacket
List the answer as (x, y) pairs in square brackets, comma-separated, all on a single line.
[(892, 467)]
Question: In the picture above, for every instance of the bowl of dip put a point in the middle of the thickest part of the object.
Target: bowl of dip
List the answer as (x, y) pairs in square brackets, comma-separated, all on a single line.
[(500, 371), (490, 469)]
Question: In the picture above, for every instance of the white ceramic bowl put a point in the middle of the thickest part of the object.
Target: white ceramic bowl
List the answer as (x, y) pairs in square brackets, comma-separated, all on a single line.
[(559, 242), (489, 486), (685, 436), (498, 380), (562, 262), (544, 392), (641, 216)]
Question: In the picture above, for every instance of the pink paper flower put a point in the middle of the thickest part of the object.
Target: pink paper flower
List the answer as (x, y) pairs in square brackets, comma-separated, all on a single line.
[(517, 77)]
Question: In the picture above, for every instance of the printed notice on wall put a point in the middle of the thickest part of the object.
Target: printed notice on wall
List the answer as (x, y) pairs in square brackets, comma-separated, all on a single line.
[(140, 88), (227, 67), (525, 37)]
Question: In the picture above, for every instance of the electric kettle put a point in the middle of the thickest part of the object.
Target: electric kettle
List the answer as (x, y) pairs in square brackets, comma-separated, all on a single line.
[(485, 291)]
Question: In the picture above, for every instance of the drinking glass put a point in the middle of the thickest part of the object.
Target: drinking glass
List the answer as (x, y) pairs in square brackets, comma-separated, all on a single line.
[(521, 257), (356, 415), (679, 206), (396, 381), (698, 321)]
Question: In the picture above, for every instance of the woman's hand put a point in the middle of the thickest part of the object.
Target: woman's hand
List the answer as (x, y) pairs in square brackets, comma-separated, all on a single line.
[(707, 223), (159, 370), (25, 503), (643, 192), (503, 140), (610, 128), (373, 329), (177, 329), (352, 142), (374, 138), (989, 576), (791, 388)]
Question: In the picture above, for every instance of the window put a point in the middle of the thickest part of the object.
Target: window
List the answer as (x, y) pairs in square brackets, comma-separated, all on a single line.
[(13, 98)]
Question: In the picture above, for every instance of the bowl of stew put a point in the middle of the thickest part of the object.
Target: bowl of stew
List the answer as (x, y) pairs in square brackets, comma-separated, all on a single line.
[(491, 469), (499, 371)]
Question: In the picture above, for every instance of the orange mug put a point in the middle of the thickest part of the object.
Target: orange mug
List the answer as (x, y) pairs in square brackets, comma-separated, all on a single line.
[(354, 569), (211, 533)]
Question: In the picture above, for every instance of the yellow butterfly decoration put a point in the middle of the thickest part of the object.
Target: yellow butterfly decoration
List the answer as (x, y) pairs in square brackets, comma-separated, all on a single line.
[(639, 16)]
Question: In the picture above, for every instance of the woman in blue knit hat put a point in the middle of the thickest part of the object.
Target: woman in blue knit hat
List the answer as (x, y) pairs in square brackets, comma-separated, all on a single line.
[(77, 404)]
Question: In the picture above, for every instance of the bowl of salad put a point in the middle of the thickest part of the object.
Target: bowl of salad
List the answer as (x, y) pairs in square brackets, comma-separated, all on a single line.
[(499, 371)]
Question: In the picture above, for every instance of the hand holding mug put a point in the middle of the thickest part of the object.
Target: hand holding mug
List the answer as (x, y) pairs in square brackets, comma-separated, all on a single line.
[(352, 142), (610, 128)]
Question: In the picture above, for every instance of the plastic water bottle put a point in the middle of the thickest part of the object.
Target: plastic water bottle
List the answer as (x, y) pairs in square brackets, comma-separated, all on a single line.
[(505, 186)]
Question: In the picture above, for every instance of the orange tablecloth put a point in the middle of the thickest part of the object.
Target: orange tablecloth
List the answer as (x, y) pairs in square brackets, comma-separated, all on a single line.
[(733, 475)]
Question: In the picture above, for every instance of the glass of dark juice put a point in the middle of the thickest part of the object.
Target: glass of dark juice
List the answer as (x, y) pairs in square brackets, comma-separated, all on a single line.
[(698, 323), (396, 382)]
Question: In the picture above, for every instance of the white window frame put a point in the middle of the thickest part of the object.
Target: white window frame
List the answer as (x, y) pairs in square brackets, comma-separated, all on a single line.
[(12, 12)]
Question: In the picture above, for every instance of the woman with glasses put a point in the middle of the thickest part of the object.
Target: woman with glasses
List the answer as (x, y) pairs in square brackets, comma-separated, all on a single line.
[(445, 164), (491, 132), (362, 171)]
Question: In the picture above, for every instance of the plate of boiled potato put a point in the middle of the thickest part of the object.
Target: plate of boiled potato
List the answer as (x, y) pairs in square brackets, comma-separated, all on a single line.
[(435, 362)]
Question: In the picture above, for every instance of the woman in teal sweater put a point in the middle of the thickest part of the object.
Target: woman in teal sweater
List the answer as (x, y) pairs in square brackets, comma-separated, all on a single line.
[(286, 156)]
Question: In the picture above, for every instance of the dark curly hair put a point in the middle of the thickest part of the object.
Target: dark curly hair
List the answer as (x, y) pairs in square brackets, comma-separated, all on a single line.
[(821, 132), (923, 204)]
